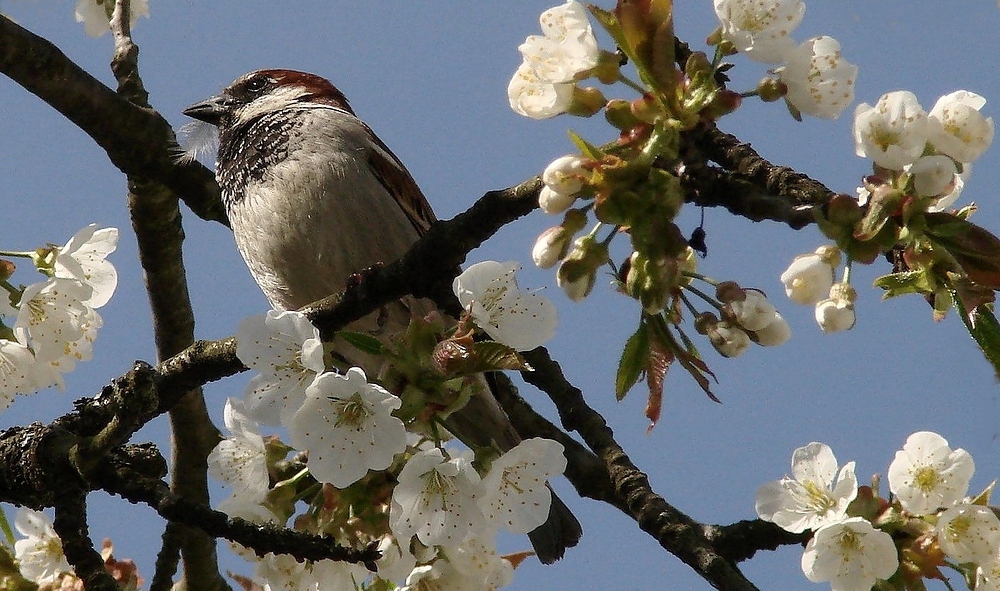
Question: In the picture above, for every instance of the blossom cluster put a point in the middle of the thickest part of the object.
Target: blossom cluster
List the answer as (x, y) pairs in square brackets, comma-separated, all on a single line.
[(811, 280), (859, 538), (814, 78), (925, 154), (437, 514), (53, 322), (545, 83)]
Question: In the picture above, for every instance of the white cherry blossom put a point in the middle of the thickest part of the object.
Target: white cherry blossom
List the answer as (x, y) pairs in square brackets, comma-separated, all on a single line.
[(957, 128), (239, 460), (347, 427), (927, 474), (815, 496), (893, 132), (760, 28), (851, 554), (520, 320), (810, 276), (969, 533), (52, 314), (933, 175), (39, 554), (436, 499), (516, 496), (820, 81), (533, 97), (84, 257), (568, 46), (285, 348)]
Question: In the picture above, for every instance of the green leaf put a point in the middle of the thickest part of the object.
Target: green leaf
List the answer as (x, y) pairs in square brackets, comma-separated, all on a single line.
[(633, 361), (983, 328), (897, 284), (975, 249), (363, 342), (8, 533), (586, 148)]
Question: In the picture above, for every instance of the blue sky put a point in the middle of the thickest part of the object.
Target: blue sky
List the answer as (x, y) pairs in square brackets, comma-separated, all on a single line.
[(430, 78)]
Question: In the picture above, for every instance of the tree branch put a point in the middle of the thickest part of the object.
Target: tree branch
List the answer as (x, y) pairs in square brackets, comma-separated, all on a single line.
[(677, 533), (137, 140)]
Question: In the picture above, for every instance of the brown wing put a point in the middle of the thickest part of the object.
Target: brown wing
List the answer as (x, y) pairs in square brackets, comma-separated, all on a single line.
[(397, 180)]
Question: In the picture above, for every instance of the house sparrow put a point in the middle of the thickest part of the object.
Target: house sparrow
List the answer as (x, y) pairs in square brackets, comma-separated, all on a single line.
[(313, 195)]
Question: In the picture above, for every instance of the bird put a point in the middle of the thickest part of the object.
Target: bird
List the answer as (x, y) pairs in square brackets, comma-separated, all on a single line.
[(313, 197)]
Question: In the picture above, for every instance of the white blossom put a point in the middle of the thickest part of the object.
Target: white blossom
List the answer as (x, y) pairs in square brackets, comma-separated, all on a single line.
[(988, 576), (520, 320), (945, 201), (851, 554), (39, 554), (516, 495), (287, 351), (567, 48), (927, 474), (893, 132), (760, 28), (820, 81), (94, 15), (395, 562), (436, 500), (347, 427), (551, 247), (552, 202), (729, 339), (565, 175), (813, 497), (957, 128), (969, 533), (533, 97), (18, 371), (775, 333), (84, 257), (239, 460), (52, 315), (809, 278), (933, 175), (754, 312), (836, 313)]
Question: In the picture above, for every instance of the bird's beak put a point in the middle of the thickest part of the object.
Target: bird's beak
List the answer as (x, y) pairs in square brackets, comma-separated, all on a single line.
[(210, 110)]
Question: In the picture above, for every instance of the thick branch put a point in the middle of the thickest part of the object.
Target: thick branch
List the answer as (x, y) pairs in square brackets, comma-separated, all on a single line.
[(676, 532), (137, 140)]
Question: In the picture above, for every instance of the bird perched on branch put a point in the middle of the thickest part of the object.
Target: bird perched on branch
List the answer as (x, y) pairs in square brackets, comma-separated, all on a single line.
[(314, 196)]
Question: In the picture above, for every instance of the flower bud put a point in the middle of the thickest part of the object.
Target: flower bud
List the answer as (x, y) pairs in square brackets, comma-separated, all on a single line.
[(771, 89), (578, 272), (618, 112), (775, 333), (586, 102), (565, 175), (551, 246), (836, 313), (646, 108), (728, 339), (810, 276), (554, 203), (754, 312)]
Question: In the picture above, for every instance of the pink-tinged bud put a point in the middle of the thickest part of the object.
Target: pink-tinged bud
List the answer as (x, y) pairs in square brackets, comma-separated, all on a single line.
[(646, 108)]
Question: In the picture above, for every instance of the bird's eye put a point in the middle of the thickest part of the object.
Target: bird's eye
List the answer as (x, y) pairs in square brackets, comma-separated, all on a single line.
[(256, 85)]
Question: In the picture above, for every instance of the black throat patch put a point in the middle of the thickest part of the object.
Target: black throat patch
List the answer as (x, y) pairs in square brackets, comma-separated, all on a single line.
[(248, 151)]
